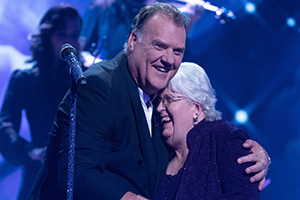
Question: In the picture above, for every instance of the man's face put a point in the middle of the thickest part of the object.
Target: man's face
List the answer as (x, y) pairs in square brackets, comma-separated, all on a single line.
[(155, 56)]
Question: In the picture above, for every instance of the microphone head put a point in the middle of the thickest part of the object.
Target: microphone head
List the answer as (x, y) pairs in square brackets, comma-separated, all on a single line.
[(66, 49)]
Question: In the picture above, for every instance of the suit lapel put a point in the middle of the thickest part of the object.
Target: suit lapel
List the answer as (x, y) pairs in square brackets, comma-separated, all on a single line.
[(151, 148)]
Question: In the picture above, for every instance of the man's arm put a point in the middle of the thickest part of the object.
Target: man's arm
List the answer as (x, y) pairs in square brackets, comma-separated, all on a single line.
[(261, 159), (92, 180)]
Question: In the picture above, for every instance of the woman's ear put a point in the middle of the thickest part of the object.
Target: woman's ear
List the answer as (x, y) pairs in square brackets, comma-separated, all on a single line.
[(198, 108), (199, 111)]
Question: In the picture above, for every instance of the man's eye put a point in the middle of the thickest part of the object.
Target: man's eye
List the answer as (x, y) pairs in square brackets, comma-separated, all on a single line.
[(178, 52), (159, 47)]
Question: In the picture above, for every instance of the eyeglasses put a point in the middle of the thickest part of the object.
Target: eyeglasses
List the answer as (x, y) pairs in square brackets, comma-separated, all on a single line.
[(168, 99)]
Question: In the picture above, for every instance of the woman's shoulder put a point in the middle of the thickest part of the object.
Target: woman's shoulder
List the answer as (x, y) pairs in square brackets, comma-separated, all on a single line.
[(223, 125), (225, 131), (24, 75), (222, 129)]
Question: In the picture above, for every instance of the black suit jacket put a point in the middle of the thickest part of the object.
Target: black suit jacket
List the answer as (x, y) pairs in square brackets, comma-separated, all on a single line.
[(114, 152)]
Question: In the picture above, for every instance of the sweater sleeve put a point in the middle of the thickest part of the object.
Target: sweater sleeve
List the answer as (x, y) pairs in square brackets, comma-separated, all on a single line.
[(235, 183), (12, 146)]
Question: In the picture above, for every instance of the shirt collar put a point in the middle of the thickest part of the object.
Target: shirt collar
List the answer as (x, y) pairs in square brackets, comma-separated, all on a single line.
[(145, 97)]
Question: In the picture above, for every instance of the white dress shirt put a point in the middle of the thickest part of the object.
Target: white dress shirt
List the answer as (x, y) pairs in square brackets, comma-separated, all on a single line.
[(148, 108)]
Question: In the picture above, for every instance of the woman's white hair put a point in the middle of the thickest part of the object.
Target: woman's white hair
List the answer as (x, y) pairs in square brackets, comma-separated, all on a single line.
[(192, 82)]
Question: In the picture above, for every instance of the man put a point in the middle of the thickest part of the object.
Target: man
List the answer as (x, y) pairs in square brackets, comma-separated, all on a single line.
[(119, 151)]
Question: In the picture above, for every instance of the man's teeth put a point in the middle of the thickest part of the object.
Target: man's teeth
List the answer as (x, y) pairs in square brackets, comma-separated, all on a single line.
[(163, 69), (166, 119)]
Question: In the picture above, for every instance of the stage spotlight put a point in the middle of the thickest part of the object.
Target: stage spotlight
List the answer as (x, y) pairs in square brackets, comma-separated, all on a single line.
[(241, 116), (250, 8), (291, 22)]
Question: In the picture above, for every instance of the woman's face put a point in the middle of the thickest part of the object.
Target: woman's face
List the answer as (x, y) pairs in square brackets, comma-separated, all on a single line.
[(69, 34), (176, 114)]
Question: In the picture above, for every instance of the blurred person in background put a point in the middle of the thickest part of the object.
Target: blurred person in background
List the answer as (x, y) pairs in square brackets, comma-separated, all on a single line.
[(38, 91)]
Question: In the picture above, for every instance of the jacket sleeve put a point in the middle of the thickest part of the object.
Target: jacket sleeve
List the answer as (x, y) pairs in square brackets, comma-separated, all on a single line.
[(94, 132), (235, 182), (12, 146)]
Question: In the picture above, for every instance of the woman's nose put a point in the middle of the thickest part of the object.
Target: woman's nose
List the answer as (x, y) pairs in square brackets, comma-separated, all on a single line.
[(160, 107)]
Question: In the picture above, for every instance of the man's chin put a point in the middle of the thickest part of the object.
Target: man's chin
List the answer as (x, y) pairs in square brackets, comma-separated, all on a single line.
[(160, 85)]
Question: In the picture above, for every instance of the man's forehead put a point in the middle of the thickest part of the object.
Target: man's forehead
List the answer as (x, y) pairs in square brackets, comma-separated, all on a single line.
[(160, 17), (161, 25)]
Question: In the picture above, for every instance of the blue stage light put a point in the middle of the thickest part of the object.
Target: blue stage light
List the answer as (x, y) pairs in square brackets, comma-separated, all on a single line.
[(241, 116), (291, 22), (250, 8)]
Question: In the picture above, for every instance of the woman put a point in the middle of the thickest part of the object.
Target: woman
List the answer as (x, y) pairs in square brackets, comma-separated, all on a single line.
[(206, 148), (38, 91)]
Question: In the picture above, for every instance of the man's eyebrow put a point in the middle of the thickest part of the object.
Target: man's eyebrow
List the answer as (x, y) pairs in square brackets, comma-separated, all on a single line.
[(164, 45), (159, 43)]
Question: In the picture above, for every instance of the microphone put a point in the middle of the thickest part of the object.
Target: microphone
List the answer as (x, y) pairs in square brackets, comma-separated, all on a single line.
[(68, 54)]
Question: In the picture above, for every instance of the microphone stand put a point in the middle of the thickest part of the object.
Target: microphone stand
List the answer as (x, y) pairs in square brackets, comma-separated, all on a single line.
[(68, 53), (72, 134)]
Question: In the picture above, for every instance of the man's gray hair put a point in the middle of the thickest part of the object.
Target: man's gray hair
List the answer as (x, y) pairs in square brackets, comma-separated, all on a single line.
[(149, 11)]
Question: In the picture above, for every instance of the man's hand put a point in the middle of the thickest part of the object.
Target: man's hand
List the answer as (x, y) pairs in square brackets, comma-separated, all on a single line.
[(261, 159), (132, 196)]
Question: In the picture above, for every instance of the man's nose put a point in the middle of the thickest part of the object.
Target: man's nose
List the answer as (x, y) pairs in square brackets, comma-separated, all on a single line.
[(168, 58)]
